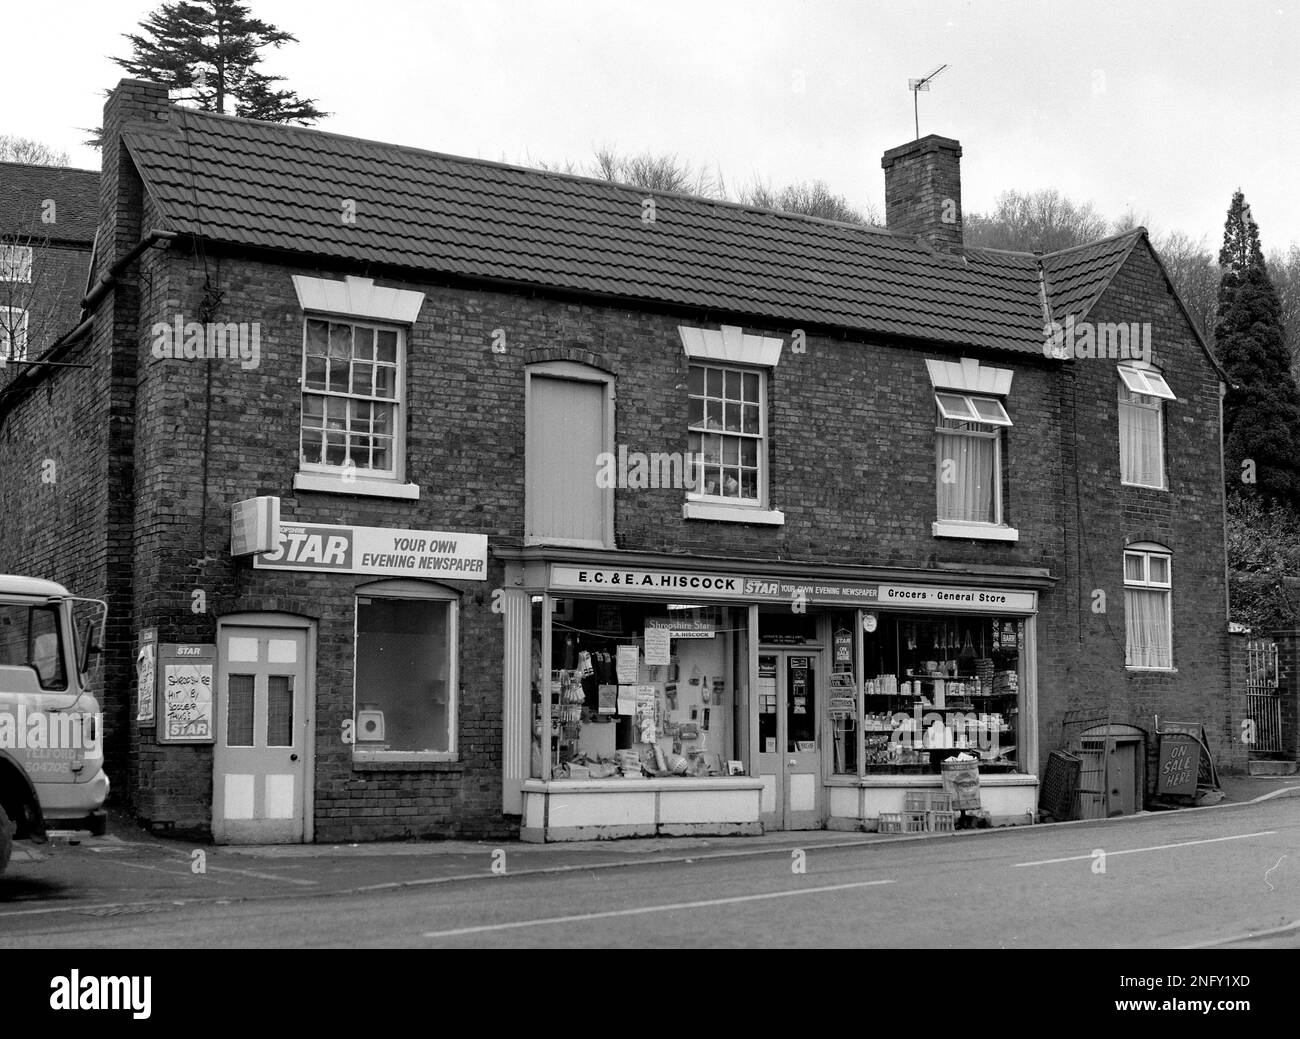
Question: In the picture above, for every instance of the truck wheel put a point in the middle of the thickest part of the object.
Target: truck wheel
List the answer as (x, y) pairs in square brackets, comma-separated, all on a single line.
[(97, 824), (6, 839)]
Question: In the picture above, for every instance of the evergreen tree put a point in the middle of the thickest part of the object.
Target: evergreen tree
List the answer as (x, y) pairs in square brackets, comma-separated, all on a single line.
[(1261, 420), (210, 48)]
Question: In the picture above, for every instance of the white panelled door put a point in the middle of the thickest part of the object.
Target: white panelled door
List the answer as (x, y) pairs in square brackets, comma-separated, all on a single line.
[(259, 761)]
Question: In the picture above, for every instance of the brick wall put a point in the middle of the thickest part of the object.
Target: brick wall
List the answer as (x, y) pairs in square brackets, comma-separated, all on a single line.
[(173, 443)]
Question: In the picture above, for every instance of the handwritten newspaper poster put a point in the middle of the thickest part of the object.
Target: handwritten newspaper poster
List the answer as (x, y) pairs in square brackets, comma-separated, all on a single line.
[(186, 693), (146, 676)]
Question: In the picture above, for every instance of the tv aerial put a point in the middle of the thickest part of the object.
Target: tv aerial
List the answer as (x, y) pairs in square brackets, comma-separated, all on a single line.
[(917, 85)]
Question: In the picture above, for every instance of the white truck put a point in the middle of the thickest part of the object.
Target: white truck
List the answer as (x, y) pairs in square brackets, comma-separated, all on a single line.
[(51, 726)]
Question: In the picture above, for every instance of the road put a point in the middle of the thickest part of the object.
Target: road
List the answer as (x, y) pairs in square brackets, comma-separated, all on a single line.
[(1175, 879)]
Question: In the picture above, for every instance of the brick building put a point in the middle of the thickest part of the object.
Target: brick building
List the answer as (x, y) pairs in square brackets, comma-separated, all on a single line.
[(576, 482), (48, 216)]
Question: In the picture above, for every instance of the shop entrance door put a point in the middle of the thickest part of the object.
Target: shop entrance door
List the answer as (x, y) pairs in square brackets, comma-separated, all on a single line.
[(259, 761), (787, 701)]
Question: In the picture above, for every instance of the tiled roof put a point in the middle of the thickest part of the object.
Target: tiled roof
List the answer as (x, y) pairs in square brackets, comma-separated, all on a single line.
[(24, 190), (284, 187), (1075, 277)]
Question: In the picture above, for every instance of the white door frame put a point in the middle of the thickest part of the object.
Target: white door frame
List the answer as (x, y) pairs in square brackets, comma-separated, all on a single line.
[(291, 622)]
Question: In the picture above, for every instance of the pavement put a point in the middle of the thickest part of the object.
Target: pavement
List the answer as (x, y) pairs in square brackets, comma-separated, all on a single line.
[(128, 866)]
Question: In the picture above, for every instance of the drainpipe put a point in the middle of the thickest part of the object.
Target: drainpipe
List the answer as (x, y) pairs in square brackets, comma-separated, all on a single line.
[(91, 298)]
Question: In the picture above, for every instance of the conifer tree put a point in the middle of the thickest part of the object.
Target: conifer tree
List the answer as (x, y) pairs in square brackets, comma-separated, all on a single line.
[(1261, 420), (211, 49)]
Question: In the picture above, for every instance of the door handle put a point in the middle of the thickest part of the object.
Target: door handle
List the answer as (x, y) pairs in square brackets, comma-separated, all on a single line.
[(794, 761), (293, 757)]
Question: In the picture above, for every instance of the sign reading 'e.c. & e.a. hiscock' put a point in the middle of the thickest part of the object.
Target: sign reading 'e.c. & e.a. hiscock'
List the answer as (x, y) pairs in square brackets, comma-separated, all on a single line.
[(382, 551)]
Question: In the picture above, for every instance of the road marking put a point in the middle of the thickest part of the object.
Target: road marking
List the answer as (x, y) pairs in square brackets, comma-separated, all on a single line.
[(217, 869), (651, 909), (1154, 847), (1272, 932)]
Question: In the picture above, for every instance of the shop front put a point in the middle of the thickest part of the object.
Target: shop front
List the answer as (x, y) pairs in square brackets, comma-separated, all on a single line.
[(645, 697)]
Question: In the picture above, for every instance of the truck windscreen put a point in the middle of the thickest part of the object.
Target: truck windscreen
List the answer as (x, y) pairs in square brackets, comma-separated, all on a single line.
[(31, 636)]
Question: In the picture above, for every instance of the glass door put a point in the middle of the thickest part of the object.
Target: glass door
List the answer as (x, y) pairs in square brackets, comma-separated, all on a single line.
[(787, 701)]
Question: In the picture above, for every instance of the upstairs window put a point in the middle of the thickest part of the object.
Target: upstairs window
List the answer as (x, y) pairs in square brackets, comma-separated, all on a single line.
[(13, 334), (351, 397), (1148, 607), (1142, 394), (726, 433), (16, 263), (969, 458)]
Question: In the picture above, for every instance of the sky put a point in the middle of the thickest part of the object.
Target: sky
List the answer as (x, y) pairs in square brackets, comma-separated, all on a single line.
[(1162, 107)]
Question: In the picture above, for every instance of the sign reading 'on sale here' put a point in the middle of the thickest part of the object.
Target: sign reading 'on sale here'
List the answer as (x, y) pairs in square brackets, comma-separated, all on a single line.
[(384, 551)]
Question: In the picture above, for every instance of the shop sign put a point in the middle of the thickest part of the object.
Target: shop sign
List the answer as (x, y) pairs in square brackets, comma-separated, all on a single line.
[(382, 551), (684, 627), (708, 585), (978, 600), (254, 525)]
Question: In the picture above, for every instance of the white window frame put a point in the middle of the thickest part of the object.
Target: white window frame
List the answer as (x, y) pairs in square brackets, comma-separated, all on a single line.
[(408, 589), (1148, 402), (9, 351), (761, 483), (1145, 381), (989, 429), (16, 260), (729, 347), (1146, 551), (398, 450), (358, 301)]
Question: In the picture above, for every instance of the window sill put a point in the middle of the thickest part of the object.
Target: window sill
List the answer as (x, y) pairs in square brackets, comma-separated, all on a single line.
[(732, 513), (1144, 486), (372, 761), (974, 531), (1154, 670), (361, 486)]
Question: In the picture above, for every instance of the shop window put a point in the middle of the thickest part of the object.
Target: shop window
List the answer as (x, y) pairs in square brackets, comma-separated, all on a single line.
[(1148, 613), (13, 333), (634, 689), (406, 673), (939, 686), (969, 460), (569, 429), (842, 704), (16, 263), (351, 397), (1142, 394), (30, 636)]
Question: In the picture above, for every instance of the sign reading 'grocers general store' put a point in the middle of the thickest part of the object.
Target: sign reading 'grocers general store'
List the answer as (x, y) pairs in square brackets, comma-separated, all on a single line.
[(378, 550)]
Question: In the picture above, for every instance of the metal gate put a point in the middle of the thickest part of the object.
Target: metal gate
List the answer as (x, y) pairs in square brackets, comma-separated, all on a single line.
[(1091, 795), (1263, 695)]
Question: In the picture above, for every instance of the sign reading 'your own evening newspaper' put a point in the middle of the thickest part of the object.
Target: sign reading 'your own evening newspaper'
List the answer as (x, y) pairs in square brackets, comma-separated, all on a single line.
[(378, 550)]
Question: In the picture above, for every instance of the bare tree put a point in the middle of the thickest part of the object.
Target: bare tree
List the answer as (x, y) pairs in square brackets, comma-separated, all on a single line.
[(1284, 268), (1194, 271), (1041, 220), (34, 290), (811, 198), (32, 153)]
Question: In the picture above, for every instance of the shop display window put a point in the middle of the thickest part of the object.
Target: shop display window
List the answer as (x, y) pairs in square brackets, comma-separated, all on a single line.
[(405, 677), (637, 689), (939, 686)]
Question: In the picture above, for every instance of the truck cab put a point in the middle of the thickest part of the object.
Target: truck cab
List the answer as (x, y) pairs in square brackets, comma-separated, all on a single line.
[(51, 724)]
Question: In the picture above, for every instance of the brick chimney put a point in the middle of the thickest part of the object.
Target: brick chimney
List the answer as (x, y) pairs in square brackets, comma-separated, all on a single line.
[(923, 190)]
